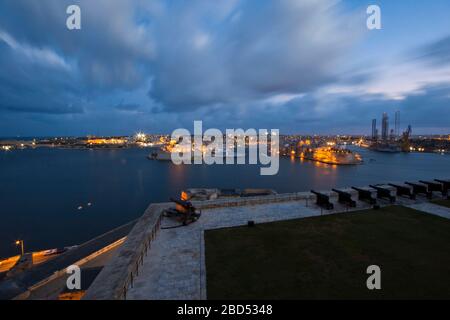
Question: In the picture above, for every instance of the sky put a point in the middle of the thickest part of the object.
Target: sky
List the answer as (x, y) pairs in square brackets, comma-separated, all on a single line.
[(300, 66)]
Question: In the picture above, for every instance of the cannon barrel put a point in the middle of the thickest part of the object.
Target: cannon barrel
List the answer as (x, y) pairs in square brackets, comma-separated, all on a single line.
[(186, 210), (340, 192), (433, 186), (444, 182), (365, 195), (322, 200), (420, 189), (383, 193), (183, 203), (403, 191), (445, 186), (345, 198), (359, 189)]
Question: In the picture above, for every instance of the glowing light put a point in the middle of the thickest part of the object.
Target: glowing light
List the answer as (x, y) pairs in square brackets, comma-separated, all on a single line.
[(140, 137), (100, 141)]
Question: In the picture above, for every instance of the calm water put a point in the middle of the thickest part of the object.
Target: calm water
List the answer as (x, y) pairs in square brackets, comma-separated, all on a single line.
[(41, 190)]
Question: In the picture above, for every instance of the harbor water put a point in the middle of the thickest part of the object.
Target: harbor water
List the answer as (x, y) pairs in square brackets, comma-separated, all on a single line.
[(62, 197)]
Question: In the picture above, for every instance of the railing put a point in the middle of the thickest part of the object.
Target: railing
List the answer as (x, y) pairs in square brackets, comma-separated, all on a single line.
[(246, 201), (116, 278), (139, 259)]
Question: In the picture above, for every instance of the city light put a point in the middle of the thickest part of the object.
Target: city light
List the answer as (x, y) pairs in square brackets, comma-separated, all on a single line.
[(140, 137), (105, 141)]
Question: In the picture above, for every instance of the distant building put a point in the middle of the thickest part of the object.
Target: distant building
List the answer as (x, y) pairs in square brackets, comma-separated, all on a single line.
[(385, 127), (374, 130), (397, 124), (106, 141)]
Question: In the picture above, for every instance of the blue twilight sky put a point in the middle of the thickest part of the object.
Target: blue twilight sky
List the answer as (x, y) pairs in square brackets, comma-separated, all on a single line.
[(302, 66)]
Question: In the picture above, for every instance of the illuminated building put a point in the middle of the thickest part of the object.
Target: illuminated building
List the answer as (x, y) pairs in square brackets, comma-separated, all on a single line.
[(106, 141)]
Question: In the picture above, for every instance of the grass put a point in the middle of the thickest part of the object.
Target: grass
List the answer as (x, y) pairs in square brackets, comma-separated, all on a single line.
[(327, 257), (442, 202)]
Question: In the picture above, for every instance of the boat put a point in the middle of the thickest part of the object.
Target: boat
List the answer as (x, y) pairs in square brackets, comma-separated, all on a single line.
[(331, 155), (164, 154), (386, 147), (160, 155)]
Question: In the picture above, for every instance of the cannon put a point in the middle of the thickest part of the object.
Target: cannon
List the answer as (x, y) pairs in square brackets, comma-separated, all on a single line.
[(383, 193), (365, 195), (420, 189), (184, 210), (445, 187), (323, 201), (345, 198), (433, 186), (403, 191)]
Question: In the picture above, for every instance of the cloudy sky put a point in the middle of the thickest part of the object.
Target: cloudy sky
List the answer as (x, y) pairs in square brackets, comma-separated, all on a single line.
[(302, 66)]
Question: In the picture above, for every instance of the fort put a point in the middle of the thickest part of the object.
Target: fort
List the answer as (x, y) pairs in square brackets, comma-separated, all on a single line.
[(261, 145), (248, 244), (159, 262)]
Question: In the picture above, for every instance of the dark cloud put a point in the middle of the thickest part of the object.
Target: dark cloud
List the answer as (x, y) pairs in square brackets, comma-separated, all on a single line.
[(428, 107), (253, 50), (45, 109), (197, 53), (425, 109), (111, 50), (173, 62), (50, 70), (30, 87), (127, 106), (437, 52)]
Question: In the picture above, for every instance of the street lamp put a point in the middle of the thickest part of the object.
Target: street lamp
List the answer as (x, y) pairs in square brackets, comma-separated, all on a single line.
[(20, 242)]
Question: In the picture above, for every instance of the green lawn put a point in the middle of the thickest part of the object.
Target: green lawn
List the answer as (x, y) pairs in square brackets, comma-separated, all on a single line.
[(327, 257), (442, 202)]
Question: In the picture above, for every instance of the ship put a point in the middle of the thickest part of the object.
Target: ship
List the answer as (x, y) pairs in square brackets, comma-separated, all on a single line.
[(161, 155), (331, 155), (389, 147), (164, 154)]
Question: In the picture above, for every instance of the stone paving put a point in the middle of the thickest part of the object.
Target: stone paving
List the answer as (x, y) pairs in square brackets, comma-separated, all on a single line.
[(431, 209)]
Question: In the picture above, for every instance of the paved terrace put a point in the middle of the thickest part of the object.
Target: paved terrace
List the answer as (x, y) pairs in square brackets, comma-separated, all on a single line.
[(173, 267)]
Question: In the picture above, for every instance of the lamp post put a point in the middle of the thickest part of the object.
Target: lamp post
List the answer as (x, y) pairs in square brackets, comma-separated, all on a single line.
[(20, 242)]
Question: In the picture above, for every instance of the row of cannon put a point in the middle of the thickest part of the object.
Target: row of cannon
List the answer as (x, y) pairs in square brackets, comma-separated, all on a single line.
[(410, 190)]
